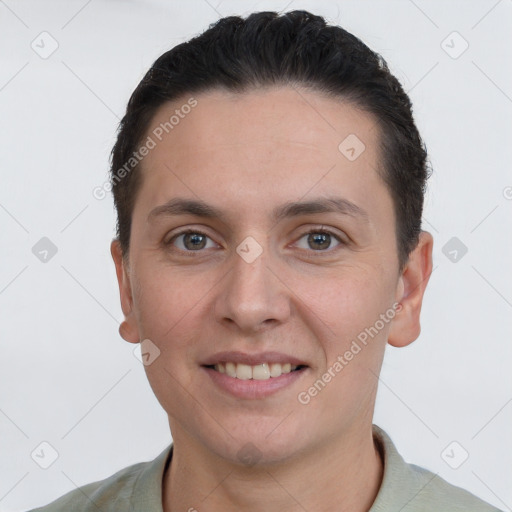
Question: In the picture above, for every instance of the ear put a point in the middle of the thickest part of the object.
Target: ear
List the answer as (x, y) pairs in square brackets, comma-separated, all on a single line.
[(128, 328), (405, 327)]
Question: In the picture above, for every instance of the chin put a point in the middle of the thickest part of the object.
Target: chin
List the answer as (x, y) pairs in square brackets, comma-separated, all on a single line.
[(253, 445)]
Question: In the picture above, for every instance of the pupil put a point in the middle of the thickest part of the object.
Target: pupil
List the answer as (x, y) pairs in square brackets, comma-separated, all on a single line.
[(197, 241), (319, 238)]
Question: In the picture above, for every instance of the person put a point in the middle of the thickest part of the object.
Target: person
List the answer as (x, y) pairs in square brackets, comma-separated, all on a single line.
[(269, 180)]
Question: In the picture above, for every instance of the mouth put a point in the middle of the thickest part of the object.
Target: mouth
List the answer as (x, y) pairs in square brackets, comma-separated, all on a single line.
[(263, 371), (253, 376)]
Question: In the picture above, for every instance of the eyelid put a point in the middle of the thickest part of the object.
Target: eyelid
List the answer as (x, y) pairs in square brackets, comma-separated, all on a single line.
[(185, 231)]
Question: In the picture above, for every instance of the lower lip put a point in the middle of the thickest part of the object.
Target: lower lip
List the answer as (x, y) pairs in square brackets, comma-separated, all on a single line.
[(253, 388)]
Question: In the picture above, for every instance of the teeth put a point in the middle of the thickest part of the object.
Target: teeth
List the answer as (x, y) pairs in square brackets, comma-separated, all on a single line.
[(230, 369), (262, 371), (275, 369), (243, 371)]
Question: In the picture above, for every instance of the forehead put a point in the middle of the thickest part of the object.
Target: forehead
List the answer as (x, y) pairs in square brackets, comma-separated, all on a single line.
[(269, 144), (278, 114)]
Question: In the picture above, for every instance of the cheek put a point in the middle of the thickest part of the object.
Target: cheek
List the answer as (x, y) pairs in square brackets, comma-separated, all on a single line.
[(170, 313), (353, 346), (343, 387), (348, 301), (169, 300)]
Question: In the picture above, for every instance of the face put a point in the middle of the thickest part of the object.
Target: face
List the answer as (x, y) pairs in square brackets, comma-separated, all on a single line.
[(260, 246)]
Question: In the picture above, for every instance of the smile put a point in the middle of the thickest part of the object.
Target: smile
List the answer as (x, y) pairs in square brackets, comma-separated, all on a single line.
[(253, 375)]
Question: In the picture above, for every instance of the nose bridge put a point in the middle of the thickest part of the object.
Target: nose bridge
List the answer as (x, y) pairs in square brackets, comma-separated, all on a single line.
[(252, 296)]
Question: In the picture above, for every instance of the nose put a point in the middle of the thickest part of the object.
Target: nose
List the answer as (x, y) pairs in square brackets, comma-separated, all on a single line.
[(252, 298)]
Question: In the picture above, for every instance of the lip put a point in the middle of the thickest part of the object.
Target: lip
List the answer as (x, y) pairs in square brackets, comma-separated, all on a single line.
[(252, 359), (252, 388)]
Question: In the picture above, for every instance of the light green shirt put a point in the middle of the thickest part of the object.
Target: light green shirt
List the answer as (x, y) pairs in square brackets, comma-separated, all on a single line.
[(405, 488)]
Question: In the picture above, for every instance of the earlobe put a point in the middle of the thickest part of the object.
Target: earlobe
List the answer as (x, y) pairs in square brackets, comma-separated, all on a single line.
[(128, 327), (127, 332), (411, 286)]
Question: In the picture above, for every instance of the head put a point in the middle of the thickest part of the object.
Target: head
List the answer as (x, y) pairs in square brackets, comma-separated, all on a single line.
[(222, 138)]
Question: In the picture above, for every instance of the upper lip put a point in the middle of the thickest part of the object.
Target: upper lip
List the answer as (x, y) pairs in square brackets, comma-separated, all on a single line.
[(251, 359)]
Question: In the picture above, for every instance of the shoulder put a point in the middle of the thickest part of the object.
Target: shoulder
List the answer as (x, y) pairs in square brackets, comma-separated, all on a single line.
[(139, 484), (92, 496), (435, 493), (411, 488)]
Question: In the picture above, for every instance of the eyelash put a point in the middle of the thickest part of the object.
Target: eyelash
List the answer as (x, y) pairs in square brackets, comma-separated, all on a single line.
[(309, 232)]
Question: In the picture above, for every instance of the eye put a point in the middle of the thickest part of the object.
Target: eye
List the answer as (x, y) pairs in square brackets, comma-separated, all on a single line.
[(191, 240), (319, 240)]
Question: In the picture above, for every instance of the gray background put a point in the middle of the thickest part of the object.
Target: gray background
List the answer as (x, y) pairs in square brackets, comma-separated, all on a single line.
[(68, 379)]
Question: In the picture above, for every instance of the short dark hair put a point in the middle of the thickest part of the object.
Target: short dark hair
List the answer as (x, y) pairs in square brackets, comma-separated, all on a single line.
[(269, 49)]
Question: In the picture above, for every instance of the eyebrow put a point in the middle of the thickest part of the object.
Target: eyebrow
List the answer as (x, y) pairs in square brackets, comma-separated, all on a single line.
[(198, 208)]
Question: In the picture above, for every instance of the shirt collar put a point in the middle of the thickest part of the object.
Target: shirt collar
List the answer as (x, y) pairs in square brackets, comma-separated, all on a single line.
[(147, 490), (396, 470)]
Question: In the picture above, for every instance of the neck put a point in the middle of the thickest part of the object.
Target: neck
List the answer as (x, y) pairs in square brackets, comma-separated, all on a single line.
[(341, 476)]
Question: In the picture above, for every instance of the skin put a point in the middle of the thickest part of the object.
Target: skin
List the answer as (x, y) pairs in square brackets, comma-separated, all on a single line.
[(247, 154)]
